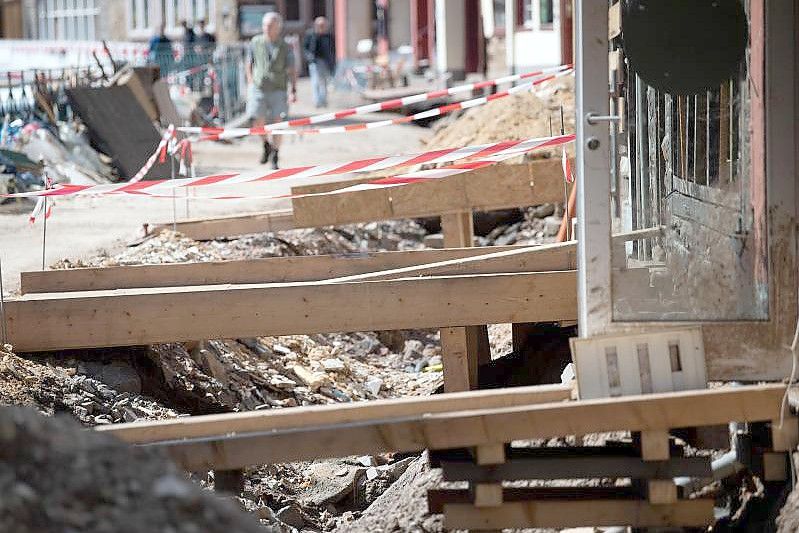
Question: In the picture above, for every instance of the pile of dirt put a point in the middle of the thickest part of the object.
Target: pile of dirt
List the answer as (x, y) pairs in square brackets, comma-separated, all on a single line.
[(518, 116), (56, 477)]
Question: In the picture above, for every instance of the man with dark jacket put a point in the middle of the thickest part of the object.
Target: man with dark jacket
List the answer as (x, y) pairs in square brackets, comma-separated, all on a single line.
[(160, 50), (320, 52)]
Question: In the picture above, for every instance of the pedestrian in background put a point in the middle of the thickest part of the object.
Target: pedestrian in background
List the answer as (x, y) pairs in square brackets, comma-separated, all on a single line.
[(270, 70), (204, 43), (203, 37), (188, 33), (160, 50), (319, 48)]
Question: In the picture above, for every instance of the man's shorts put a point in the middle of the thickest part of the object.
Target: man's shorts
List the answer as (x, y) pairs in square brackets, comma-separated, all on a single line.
[(267, 105)]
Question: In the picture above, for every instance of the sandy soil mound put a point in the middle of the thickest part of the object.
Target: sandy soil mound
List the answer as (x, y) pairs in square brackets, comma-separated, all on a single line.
[(514, 117)]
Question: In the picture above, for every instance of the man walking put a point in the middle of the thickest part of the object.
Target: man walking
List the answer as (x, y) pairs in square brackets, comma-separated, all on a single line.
[(269, 70), (320, 52)]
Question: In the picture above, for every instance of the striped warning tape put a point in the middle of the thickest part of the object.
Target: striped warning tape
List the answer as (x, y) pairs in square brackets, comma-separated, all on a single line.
[(377, 106), (159, 154), (438, 111), (476, 153)]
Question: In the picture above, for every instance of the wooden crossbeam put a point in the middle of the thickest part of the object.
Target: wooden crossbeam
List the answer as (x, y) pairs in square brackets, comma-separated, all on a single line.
[(203, 229), (56, 321), (302, 417), (495, 187), (577, 513), (302, 268), (479, 427), (566, 466)]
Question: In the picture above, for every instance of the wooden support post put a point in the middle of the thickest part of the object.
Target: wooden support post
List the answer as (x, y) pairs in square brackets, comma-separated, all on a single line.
[(463, 348), (655, 447), (785, 433), (231, 481), (488, 494)]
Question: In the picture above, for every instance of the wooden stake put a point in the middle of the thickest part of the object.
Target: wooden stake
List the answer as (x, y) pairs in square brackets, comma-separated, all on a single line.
[(463, 348), (655, 447), (488, 494)]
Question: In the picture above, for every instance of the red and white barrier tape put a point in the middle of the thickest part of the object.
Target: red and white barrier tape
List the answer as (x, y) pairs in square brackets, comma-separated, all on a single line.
[(159, 187), (378, 106), (159, 154), (379, 183), (438, 111), (39, 208)]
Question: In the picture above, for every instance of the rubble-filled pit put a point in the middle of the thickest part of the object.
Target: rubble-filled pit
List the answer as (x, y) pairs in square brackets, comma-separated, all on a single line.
[(115, 385)]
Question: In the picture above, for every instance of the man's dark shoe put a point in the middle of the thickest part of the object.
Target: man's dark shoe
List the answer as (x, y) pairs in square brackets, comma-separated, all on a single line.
[(274, 160), (267, 152)]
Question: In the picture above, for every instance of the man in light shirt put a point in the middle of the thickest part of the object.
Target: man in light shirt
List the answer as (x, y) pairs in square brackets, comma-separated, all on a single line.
[(270, 71)]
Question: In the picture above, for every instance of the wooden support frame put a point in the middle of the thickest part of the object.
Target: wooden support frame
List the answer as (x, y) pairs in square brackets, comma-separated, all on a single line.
[(303, 268), (477, 427), (496, 187), (486, 189), (57, 321)]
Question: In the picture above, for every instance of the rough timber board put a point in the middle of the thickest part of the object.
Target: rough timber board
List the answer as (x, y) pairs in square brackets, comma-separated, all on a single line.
[(214, 425), (567, 513), (495, 187), (55, 321), (295, 268), (576, 467), (481, 427), (203, 229)]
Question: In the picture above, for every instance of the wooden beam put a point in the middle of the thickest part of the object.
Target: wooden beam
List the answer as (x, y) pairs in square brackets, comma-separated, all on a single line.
[(575, 467), (614, 20), (481, 427), (304, 268), (56, 321), (495, 187), (360, 266), (203, 229), (570, 513), (317, 415)]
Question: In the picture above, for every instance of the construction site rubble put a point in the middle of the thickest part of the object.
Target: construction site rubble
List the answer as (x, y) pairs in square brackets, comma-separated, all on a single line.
[(214, 376)]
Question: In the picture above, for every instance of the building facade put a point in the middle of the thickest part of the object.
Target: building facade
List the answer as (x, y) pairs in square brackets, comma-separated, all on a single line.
[(446, 35), (538, 33), (136, 20)]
